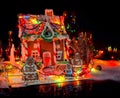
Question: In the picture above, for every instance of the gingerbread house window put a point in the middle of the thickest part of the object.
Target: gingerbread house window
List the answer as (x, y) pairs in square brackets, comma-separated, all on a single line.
[(59, 55), (35, 54)]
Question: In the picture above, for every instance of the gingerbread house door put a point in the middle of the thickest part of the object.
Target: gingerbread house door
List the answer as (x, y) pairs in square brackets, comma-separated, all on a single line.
[(47, 58)]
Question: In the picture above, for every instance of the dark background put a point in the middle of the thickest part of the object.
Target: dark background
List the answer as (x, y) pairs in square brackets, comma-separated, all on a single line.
[(99, 17)]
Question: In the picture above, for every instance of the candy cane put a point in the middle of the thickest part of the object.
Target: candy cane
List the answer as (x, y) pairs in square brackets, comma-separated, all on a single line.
[(54, 52), (67, 48), (20, 32), (38, 47), (24, 50)]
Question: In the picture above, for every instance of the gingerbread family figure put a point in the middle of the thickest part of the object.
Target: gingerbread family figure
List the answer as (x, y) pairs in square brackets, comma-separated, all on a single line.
[(30, 70)]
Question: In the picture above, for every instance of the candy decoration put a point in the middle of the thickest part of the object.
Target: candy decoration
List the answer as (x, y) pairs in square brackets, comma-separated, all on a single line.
[(38, 47), (47, 35), (25, 50), (54, 51), (20, 32), (67, 48)]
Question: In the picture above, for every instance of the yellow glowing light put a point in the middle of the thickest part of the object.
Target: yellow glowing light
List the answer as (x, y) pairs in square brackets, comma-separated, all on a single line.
[(62, 27), (57, 22), (34, 21), (93, 70), (60, 79), (65, 54), (60, 84), (109, 48), (17, 62), (20, 16)]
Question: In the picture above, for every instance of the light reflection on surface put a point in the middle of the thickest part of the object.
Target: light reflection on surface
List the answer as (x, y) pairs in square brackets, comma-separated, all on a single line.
[(66, 89), (75, 89)]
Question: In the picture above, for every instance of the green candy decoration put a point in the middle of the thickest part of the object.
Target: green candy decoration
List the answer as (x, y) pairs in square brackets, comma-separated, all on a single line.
[(48, 36)]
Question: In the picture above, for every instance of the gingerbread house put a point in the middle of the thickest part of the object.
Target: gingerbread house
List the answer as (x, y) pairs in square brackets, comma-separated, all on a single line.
[(43, 36)]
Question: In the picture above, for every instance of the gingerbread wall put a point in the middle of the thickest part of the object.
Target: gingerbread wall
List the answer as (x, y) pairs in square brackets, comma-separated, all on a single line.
[(48, 46)]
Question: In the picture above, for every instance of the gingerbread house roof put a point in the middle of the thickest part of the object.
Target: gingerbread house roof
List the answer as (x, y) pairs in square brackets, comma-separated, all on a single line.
[(46, 26)]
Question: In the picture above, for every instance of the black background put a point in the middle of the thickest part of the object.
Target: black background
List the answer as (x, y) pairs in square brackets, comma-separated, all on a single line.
[(99, 17)]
